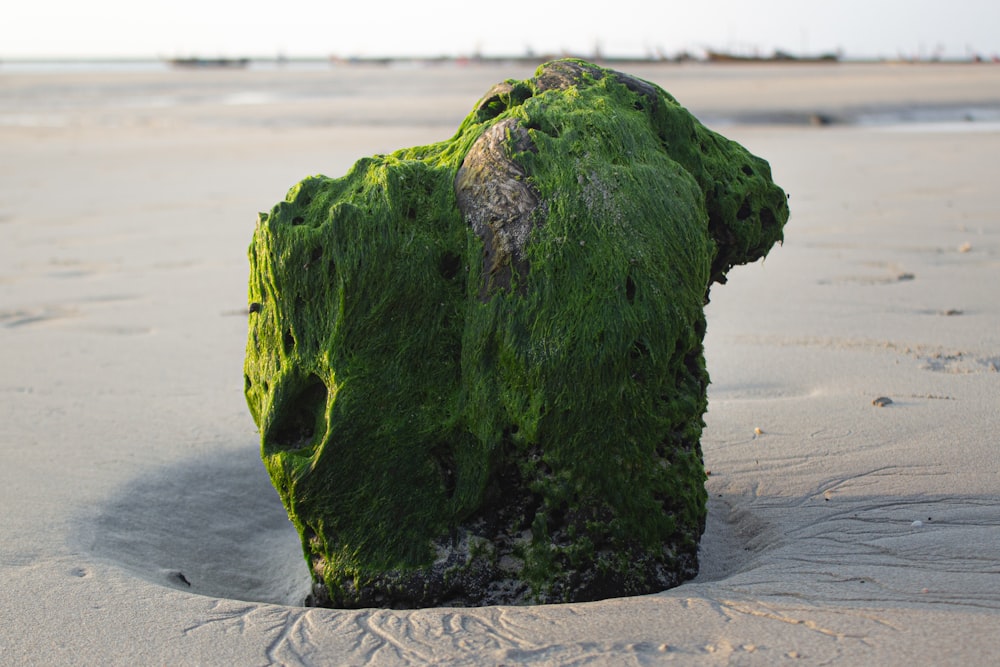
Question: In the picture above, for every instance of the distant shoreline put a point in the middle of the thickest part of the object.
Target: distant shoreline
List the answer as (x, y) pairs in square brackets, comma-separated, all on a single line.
[(64, 64)]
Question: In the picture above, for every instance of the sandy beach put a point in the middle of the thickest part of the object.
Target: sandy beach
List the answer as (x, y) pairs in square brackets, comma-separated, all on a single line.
[(139, 526)]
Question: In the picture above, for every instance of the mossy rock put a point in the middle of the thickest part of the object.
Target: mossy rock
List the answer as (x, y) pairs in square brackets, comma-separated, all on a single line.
[(477, 366)]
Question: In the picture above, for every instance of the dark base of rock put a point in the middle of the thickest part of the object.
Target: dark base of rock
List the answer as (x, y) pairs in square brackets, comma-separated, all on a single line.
[(471, 572), (492, 558)]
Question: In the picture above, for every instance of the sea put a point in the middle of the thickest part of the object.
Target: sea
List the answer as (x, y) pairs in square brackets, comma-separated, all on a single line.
[(304, 92)]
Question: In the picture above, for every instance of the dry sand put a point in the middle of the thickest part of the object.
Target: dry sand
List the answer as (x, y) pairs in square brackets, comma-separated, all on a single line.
[(139, 527)]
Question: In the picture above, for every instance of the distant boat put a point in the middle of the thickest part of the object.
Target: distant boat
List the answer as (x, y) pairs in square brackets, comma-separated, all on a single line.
[(210, 62)]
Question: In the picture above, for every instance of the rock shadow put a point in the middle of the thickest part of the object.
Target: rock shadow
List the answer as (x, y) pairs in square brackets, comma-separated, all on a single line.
[(212, 526), (734, 539), (216, 527)]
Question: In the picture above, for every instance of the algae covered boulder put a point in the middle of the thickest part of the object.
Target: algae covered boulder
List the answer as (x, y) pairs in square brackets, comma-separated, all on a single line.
[(476, 366)]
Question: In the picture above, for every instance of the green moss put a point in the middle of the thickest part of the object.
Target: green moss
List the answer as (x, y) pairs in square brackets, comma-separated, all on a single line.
[(497, 338)]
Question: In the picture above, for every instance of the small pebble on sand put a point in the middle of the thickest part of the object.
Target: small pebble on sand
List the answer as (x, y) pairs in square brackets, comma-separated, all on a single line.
[(882, 401)]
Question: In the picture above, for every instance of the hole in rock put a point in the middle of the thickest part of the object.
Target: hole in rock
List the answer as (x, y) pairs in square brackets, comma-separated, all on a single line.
[(767, 218), (303, 412), (747, 170), (630, 290), (492, 108), (288, 341), (449, 265), (745, 210), (298, 220)]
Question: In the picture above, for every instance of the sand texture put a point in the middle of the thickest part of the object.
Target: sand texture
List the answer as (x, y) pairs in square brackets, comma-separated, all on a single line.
[(138, 524)]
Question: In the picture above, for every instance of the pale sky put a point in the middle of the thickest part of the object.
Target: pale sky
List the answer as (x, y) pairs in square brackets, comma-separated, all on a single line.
[(308, 28)]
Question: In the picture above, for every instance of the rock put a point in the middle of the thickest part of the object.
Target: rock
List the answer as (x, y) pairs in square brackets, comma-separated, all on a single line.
[(476, 366)]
